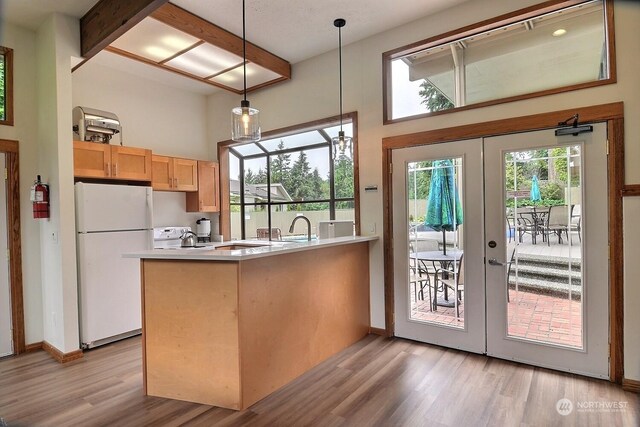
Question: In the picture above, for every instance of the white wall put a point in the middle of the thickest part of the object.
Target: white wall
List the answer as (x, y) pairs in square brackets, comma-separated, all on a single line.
[(58, 39), (167, 120), (312, 94), (23, 42)]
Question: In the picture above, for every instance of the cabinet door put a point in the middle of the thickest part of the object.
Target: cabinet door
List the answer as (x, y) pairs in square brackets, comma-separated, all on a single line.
[(207, 198), (162, 175), (130, 163), (185, 174), (91, 159)]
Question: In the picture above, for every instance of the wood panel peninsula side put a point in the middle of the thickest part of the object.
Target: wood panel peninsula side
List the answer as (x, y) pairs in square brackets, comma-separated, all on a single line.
[(229, 327)]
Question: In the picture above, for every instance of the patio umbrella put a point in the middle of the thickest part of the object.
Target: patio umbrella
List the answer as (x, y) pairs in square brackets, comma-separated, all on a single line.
[(535, 189), (444, 211)]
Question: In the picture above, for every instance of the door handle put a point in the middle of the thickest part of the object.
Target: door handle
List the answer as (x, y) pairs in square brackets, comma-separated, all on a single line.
[(493, 261)]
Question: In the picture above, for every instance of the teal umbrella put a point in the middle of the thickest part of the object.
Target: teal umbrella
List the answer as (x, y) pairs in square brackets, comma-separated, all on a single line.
[(444, 210), (535, 189)]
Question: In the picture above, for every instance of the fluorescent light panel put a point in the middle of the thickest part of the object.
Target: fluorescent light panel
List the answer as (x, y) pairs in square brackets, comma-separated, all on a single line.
[(205, 60), (154, 40), (255, 75)]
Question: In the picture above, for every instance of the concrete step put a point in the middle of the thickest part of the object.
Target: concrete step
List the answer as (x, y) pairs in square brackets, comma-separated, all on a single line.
[(549, 261), (545, 287), (553, 274)]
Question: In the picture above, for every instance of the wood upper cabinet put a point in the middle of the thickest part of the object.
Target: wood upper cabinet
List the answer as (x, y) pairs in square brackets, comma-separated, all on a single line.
[(91, 160), (95, 160), (174, 174), (207, 198)]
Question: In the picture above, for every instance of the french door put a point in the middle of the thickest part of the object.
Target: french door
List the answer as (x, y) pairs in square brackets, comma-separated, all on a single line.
[(523, 221)]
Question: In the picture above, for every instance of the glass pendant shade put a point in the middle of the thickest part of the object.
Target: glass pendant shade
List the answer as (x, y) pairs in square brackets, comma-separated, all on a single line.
[(245, 123), (342, 145)]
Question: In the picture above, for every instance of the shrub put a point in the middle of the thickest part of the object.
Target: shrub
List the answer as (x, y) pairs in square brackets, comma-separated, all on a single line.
[(552, 191)]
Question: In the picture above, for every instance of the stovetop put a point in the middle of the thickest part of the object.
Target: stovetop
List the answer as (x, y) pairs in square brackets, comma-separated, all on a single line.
[(166, 237)]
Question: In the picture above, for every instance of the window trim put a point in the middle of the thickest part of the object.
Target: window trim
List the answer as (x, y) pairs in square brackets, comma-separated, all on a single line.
[(487, 25), (224, 149), (8, 81)]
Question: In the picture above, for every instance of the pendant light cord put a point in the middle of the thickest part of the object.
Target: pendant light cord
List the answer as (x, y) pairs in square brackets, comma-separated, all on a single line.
[(340, 65), (244, 54)]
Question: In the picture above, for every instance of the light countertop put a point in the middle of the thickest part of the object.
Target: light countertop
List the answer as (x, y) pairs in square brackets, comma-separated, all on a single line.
[(258, 249)]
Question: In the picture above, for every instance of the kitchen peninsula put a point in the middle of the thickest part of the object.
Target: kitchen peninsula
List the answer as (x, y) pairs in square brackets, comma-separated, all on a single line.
[(230, 324)]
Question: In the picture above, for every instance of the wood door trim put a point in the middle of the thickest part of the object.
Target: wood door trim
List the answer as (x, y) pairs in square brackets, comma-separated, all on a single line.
[(613, 114), (10, 149), (631, 190)]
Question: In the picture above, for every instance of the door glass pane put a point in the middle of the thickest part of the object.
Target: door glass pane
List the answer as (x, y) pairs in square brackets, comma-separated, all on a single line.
[(543, 233), (436, 217)]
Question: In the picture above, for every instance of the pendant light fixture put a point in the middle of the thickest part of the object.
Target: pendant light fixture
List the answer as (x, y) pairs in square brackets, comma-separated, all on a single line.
[(245, 120), (341, 143)]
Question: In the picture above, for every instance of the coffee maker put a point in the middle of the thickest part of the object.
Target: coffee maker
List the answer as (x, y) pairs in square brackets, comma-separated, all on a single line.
[(203, 230)]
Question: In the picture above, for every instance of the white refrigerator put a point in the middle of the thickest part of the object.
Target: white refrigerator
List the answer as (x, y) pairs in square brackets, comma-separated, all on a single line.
[(110, 220)]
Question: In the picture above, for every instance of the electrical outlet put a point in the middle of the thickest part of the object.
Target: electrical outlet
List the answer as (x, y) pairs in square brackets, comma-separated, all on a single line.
[(54, 237), (372, 228)]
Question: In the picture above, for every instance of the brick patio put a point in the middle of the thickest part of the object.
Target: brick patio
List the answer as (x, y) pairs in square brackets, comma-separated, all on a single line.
[(531, 316)]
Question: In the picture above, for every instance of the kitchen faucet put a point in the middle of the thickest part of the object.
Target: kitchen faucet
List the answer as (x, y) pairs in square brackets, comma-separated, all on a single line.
[(308, 225)]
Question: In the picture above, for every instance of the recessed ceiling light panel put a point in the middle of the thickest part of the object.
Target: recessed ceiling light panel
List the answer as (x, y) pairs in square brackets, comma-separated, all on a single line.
[(205, 60), (255, 75), (154, 40)]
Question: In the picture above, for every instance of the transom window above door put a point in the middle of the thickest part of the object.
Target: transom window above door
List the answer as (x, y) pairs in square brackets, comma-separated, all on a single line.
[(533, 52)]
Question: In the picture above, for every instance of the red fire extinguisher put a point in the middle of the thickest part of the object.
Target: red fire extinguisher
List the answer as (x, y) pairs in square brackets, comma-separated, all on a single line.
[(40, 199)]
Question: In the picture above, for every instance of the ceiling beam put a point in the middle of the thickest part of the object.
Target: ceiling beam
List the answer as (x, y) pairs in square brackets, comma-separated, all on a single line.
[(189, 23), (109, 19)]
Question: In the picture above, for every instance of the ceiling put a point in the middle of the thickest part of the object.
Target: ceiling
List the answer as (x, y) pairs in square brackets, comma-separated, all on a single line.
[(294, 31)]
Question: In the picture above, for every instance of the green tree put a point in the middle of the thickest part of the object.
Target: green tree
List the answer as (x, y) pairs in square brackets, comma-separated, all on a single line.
[(281, 168), (299, 179), (343, 177), (434, 99), (259, 177), (316, 185)]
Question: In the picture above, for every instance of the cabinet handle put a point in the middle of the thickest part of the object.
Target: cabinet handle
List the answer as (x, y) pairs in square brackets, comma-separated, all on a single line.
[(114, 168), (106, 169)]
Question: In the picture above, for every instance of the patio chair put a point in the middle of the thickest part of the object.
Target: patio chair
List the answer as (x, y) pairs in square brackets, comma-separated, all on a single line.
[(576, 220), (526, 223), (419, 278), (453, 280), (557, 222)]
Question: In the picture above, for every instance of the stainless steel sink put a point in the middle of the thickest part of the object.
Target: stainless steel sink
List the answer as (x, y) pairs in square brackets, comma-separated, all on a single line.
[(236, 246)]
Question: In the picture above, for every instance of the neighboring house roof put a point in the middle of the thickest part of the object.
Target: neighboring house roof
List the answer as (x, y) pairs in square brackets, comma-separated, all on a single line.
[(259, 191)]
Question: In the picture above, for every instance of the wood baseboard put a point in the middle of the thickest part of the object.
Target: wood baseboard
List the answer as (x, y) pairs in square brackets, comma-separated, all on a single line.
[(30, 348), (631, 385), (377, 331), (60, 356)]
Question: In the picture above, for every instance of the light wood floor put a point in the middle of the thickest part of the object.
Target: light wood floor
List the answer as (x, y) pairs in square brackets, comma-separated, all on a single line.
[(378, 381)]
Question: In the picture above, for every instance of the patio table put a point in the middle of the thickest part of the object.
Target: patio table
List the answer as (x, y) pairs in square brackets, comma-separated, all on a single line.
[(534, 218), (445, 261)]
